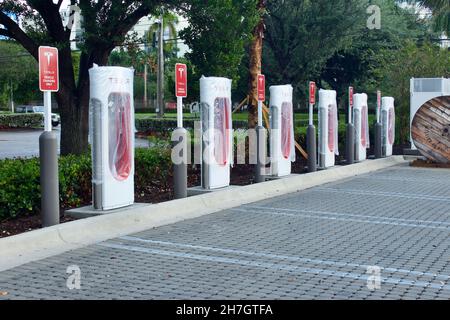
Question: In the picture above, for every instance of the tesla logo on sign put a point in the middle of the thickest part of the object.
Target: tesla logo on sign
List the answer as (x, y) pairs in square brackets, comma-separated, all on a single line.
[(312, 92), (350, 96), (48, 69), (181, 80), (261, 87)]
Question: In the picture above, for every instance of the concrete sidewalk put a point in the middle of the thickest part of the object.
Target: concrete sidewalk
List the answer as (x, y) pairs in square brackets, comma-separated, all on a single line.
[(322, 243)]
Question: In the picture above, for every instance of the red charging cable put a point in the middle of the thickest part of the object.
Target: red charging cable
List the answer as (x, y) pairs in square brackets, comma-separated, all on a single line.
[(122, 156), (222, 127), (286, 124), (364, 126)]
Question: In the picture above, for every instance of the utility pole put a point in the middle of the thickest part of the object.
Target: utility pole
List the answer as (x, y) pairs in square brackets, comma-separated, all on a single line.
[(145, 84), (160, 93), (12, 96)]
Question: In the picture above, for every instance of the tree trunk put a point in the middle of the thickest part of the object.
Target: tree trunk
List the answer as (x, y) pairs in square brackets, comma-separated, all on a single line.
[(74, 104), (74, 122), (255, 57)]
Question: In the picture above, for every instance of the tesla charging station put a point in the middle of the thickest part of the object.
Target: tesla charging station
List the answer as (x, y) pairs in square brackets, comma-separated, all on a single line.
[(282, 143), (388, 124), (217, 134), (328, 128), (112, 135), (361, 125)]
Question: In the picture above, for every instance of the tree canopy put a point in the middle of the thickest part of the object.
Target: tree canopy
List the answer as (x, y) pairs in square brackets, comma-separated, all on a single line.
[(105, 26), (321, 40), (217, 34)]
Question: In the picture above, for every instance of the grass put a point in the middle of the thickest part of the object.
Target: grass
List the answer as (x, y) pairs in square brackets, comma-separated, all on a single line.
[(241, 116)]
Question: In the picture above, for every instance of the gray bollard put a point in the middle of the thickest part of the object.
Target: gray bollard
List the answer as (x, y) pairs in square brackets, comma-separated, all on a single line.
[(180, 169), (261, 141), (311, 148), (48, 153), (350, 144), (378, 149)]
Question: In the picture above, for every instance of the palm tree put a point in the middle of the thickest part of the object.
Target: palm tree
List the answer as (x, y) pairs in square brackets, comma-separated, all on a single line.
[(169, 49), (441, 13), (170, 22), (255, 57)]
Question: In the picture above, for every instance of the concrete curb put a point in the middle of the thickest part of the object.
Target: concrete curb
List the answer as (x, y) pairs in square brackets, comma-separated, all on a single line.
[(43, 243)]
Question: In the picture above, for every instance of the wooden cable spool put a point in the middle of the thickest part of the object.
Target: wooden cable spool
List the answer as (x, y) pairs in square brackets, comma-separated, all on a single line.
[(431, 129)]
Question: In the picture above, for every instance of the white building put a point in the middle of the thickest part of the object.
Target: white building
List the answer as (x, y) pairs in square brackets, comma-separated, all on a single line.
[(72, 17), (142, 27)]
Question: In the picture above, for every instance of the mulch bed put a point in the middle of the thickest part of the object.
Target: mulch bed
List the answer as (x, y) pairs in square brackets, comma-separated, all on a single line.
[(429, 164), (241, 175), (19, 225)]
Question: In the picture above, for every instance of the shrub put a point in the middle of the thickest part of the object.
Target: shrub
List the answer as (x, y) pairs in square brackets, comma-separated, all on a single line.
[(75, 180), (398, 67), (153, 167), (21, 120), (20, 185), (167, 125)]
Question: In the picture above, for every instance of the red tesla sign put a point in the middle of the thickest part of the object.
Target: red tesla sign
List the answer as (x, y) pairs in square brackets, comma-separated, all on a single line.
[(181, 80), (350, 96), (312, 92), (261, 87), (48, 69)]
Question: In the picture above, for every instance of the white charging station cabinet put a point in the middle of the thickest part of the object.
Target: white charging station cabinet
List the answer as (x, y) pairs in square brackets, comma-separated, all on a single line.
[(423, 90), (328, 128), (361, 124), (282, 142), (388, 124), (111, 121), (217, 132)]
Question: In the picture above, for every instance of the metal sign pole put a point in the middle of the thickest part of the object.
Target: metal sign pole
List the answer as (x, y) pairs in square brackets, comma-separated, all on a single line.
[(180, 112), (47, 111), (350, 132), (311, 131), (261, 136), (261, 133), (48, 141), (260, 114), (180, 151), (378, 148)]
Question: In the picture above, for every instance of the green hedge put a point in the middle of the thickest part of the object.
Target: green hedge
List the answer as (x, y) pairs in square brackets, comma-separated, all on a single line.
[(167, 125), (21, 120), (20, 186)]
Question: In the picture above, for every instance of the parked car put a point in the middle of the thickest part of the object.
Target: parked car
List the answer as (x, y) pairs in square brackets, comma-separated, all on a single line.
[(38, 109)]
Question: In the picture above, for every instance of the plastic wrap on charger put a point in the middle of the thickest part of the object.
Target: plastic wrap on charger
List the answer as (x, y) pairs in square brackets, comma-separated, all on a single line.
[(328, 128), (388, 124), (282, 140), (217, 140), (361, 124), (111, 120)]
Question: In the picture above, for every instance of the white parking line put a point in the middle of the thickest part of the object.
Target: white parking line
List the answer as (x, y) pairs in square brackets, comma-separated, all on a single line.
[(414, 221), (298, 215), (381, 193), (283, 257), (275, 267), (402, 179)]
